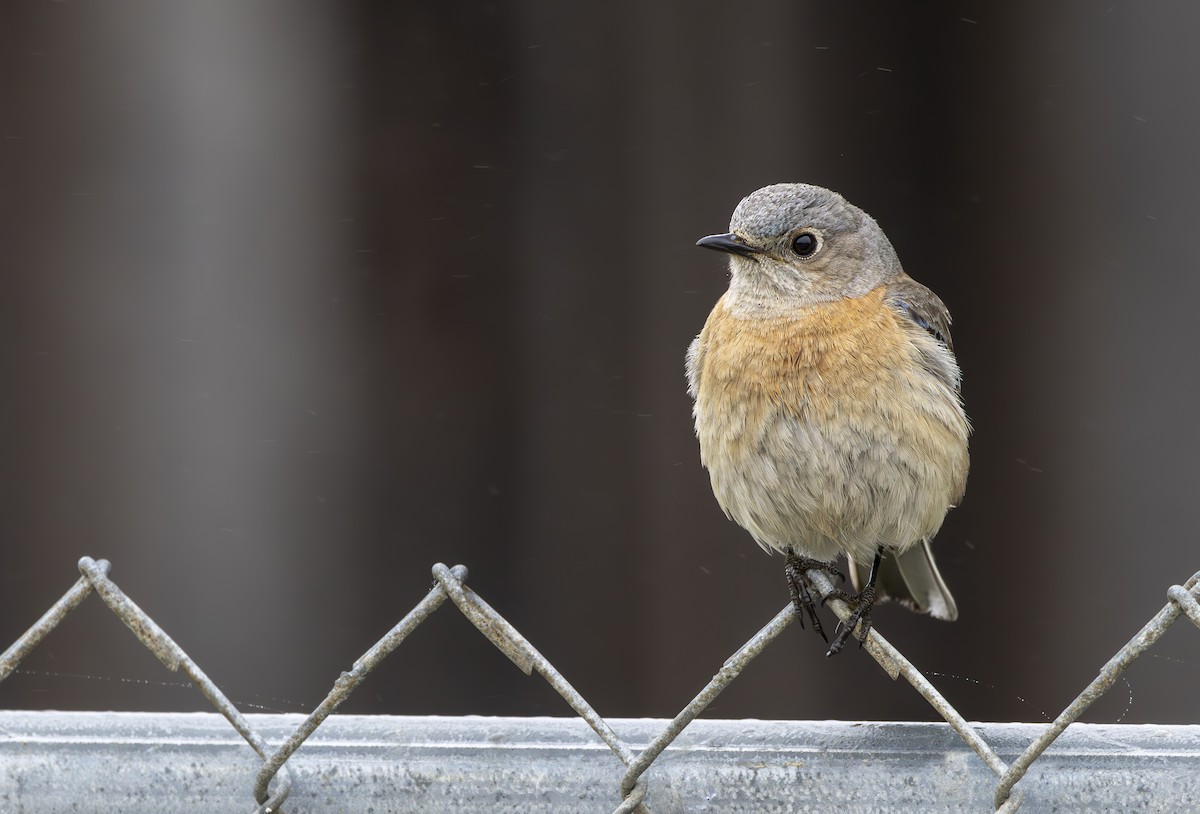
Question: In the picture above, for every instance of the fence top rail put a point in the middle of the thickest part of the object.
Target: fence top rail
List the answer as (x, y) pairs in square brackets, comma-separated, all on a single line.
[(569, 732), (133, 761)]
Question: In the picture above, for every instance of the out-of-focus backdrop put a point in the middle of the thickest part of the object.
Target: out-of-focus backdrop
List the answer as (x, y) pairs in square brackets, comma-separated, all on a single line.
[(298, 299)]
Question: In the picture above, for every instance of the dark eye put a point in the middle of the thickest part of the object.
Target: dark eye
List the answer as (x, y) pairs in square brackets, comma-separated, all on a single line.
[(804, 244)]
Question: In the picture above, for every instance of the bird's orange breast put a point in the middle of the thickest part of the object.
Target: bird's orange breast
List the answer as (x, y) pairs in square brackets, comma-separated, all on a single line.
[(822, 429), (833, 359)]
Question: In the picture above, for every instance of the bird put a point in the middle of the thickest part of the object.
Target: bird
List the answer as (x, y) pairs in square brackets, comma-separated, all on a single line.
[(827, 403)]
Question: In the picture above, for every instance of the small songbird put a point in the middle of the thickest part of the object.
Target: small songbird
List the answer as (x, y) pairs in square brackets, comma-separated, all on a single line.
[(827, 402)]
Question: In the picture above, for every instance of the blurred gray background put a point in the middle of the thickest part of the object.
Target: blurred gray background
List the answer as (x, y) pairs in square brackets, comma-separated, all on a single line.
[(301, 298)]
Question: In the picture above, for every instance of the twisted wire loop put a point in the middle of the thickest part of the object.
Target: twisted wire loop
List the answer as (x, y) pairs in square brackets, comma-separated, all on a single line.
[(95, 578), (634, 800), (1182, 601)]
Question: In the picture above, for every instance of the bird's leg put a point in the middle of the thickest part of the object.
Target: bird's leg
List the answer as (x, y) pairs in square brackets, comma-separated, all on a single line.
[(794, 568), (860, 605)]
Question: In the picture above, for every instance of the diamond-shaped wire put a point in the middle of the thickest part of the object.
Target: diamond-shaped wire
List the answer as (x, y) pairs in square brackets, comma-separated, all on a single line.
[(173, 657), (1182, 601), (633, 786)]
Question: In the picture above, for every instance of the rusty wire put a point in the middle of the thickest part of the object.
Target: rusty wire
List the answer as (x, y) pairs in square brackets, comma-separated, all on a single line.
[(450, 583)]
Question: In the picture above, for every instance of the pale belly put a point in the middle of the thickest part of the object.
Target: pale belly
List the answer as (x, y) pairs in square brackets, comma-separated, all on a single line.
[(827, 492), (836, 471)]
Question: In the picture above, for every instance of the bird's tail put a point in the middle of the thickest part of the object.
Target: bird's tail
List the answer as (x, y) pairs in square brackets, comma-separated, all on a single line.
[(912, 579)]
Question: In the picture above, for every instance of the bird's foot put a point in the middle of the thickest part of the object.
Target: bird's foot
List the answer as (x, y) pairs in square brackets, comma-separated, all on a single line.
[(794, 568), (860, 616)]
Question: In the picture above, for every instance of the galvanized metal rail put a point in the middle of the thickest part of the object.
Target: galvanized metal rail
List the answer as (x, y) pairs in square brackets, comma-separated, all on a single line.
[(140, 763)]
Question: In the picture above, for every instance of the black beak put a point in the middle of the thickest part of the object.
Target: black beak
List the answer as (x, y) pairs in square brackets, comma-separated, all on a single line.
[(727, 243)]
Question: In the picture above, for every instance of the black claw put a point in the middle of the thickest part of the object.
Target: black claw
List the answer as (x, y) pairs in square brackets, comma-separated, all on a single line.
[(798, 587), (802, 600), (861, 604)]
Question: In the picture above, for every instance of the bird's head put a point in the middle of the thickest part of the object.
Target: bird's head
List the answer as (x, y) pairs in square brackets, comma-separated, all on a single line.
[(793, 245)]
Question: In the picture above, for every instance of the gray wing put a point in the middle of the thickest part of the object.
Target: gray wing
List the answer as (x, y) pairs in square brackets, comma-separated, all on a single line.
[(925, 310)]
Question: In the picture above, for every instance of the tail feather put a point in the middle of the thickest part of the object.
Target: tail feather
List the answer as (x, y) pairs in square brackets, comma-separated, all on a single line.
[(912, 579)]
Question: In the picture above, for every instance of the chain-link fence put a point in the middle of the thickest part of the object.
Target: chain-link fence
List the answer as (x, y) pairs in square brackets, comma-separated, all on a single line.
[(275, 780)]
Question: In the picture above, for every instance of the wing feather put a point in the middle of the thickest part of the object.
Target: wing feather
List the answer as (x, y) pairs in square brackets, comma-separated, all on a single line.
[(926, 311)]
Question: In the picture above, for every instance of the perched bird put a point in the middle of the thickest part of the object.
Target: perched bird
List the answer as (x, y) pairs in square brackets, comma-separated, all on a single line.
[(827, 401)]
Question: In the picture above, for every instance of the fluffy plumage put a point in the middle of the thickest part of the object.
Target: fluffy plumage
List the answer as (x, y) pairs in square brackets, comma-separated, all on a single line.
[(827, 393)]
